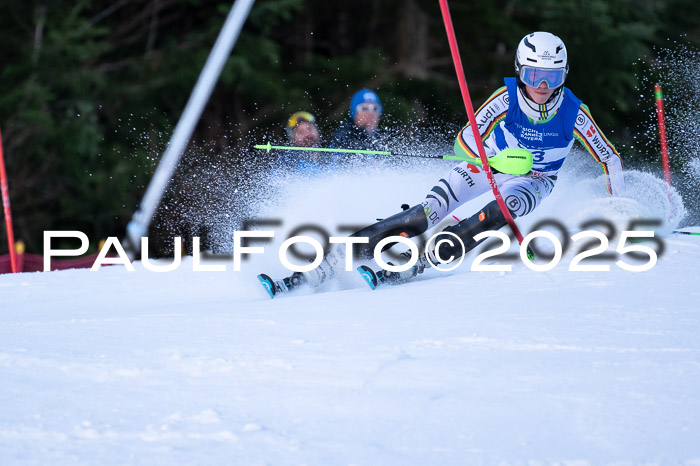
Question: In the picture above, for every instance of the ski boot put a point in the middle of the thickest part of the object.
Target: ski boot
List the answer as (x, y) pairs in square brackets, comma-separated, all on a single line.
[(325, 271), (285, 285)]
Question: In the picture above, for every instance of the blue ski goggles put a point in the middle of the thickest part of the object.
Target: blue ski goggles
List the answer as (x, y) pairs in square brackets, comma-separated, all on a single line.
[(533, 77)]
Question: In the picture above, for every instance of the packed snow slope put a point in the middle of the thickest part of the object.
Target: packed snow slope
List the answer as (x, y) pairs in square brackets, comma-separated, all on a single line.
[(519, 367)]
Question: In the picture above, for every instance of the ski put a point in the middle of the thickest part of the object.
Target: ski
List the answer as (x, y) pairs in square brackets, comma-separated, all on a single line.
[(271, 286), (368, 276)]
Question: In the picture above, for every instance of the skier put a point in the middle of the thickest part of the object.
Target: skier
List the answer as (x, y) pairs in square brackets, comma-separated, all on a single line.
[(533, 111)]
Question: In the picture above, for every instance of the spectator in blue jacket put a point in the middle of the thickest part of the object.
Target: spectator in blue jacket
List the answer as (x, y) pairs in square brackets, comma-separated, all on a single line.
[(361, 130)]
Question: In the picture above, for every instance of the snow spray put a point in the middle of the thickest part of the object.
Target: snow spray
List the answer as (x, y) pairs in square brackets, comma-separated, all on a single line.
[(677, 70)]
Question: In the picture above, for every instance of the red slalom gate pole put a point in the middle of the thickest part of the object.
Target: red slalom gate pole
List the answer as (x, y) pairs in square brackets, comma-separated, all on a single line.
[(662, 131), (6, 209), (447, 19)]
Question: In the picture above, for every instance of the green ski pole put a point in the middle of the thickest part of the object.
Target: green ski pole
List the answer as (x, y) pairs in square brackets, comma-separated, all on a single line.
[(511, 161)]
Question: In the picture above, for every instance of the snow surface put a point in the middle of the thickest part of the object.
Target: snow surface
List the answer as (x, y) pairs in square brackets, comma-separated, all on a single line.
[(521, 367)]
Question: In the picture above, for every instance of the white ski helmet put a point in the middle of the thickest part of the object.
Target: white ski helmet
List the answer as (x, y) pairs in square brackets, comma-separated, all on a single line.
[(541, 57)]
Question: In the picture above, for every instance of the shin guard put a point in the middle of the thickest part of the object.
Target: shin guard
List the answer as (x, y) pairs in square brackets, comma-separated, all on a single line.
[(409, 223)]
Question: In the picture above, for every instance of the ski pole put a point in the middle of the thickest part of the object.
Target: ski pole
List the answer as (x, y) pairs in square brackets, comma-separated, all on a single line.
[(511, 161), (269, 147)]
